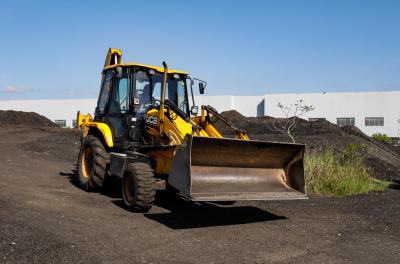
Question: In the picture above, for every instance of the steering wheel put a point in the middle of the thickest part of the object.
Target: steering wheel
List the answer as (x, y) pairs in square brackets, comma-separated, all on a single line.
[(155, 102)]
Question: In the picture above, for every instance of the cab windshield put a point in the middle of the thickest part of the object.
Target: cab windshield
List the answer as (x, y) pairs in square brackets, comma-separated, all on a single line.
[(148, 90)]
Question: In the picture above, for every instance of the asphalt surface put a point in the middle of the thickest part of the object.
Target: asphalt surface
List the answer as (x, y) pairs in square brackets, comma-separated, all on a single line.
[(46, 218)]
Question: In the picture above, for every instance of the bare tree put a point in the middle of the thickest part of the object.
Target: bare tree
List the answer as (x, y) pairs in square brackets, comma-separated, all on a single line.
[(398, 121), (291, 113)]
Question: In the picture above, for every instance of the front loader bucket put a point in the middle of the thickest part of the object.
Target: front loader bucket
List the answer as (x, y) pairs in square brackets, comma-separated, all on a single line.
[(221, 169)]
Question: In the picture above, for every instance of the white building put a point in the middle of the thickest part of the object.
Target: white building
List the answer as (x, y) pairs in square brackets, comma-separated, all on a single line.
[(372, 112)]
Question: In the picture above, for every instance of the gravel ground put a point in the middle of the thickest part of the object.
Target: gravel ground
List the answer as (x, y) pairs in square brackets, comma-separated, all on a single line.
[(46, 218)]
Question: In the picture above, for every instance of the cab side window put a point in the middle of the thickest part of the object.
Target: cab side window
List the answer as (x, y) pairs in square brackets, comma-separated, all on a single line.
[(104, 93), (120, 101), (118, 106), (143, 90)]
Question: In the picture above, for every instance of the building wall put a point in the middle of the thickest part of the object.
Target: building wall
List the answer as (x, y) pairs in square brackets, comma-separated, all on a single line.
[(329, 105), (334, 105), (246, 105), (221, 103)]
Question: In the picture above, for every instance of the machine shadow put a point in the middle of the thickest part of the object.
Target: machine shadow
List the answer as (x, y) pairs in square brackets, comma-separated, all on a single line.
[(395, 184), (112, 186), (184, 214), (187, 214)]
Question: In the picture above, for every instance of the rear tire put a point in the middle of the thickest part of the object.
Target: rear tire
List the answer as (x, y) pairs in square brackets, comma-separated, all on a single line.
[(138, 186), (93, 161)]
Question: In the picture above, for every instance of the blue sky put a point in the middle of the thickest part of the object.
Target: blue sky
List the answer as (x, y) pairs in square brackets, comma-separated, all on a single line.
[(56, 49)]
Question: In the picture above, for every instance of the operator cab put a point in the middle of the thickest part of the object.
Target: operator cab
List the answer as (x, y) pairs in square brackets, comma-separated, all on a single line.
[(128, 92)]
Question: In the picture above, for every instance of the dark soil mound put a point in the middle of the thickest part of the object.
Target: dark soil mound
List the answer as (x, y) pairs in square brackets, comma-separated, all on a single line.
[(265, 125), (30, 119), (57, 143), (320, 136)]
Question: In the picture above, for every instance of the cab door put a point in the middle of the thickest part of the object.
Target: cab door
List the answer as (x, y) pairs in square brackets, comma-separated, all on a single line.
[(119, 106)]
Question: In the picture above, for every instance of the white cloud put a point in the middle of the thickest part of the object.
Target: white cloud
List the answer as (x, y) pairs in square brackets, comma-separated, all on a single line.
[(13, 89)]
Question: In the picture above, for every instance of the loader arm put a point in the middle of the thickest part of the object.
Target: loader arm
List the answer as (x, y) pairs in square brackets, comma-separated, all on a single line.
[(204, 166), (213, 113)]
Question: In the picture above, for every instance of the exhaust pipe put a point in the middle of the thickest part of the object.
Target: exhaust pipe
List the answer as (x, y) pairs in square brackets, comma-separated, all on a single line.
[(163, 91)]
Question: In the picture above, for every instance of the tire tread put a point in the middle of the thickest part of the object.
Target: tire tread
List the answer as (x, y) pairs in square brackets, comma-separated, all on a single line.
[(145, 181)]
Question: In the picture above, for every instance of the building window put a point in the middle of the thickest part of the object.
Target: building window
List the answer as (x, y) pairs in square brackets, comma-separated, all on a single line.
[(313, 119), (345, 121), (74, 123), (61, 123), (374, 121)]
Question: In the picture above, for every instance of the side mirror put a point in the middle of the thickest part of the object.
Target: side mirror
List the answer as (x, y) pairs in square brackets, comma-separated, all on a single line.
[(118, 73), (194, 110), (201, 87)]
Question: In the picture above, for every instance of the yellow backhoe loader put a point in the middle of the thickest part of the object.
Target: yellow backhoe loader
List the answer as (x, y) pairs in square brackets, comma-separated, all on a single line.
[(145, 132)]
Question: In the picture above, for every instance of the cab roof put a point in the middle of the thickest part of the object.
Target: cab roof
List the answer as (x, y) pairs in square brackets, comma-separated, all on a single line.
[(114, 59), (156, 68)]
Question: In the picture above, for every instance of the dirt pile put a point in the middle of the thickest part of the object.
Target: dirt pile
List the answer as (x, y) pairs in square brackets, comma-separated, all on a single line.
[(30, 119), (56, 143), (50, 140), (264, 126), (320, 136)]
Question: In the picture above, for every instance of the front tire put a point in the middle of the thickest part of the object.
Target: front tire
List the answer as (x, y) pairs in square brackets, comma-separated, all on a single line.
[(138, 186), (92, 166)]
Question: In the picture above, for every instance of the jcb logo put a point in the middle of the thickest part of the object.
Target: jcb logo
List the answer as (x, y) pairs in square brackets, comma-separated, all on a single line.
[(152, 120)]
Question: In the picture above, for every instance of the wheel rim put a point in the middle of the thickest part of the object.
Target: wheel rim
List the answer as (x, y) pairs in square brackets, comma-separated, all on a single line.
[(128, 190), (87, 162)]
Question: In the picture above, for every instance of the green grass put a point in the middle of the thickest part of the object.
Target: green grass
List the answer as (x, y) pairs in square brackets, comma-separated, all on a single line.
[(382, 138), (339, 174)]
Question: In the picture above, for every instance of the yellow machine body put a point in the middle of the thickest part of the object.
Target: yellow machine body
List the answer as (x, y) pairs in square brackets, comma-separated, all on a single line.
[(201, 163)]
